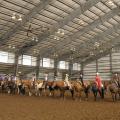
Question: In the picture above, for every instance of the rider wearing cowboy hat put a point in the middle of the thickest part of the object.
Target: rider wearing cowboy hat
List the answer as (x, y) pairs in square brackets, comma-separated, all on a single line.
[(116, 79), (67, 81), (98, 81)]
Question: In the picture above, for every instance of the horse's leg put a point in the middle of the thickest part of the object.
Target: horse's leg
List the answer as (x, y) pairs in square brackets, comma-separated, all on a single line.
[(36, 91), (44, 90), (80, 94), (63, 94), (18, 90), (86, 90), (72, 93), (99, 91), (102, 92), (95, 95), (51, 93), (14, 90), (60, 93), (30, 93), (115, 96), (86, 94), (29, 90), (40, 92), (119, 95)]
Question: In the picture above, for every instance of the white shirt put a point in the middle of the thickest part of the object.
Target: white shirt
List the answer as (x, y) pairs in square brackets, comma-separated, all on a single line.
[(33, 78), (46, 78)]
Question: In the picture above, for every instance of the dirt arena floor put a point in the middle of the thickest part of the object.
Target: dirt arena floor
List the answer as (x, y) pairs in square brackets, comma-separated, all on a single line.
[(15, 107)]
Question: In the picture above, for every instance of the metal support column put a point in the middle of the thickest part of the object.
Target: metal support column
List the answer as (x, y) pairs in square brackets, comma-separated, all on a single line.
[(16, 65), (63, 75), (82, 67), (70, 69), (111, 69), (55, 68), (38, 67)]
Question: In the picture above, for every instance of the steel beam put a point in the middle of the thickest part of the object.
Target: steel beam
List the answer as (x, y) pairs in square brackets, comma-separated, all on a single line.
[(101, 37), (99, 55), (78, 11), (89, 27), (5, 37)]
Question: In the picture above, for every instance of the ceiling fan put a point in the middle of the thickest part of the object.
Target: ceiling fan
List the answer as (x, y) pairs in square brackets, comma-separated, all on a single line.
[(31, 30)]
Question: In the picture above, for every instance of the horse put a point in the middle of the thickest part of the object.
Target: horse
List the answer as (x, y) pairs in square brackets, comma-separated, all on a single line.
[(3, 85), (24, 85), (38, 88), (8, 86), (79, 89), (97, 90), (11, 87), (114, 90), (60, 85)]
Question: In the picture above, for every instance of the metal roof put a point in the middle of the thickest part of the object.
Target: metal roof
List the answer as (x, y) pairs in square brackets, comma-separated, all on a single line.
[(81, 28)]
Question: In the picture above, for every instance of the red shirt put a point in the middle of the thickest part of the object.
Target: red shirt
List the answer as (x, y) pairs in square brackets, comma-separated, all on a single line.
[(98, 81)]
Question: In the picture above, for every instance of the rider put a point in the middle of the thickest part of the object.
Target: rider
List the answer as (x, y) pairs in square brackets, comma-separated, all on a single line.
[(55, 78), (45, 80), (116, 80), (98, 81), (81, 78), (33, 80), (67, 81)]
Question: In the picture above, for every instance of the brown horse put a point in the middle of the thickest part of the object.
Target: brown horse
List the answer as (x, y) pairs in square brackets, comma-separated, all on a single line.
[(79, 89), (60, 85), (24, 85), (48, 85)]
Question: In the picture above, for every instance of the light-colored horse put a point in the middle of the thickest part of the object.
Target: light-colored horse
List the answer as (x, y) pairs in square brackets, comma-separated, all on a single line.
[(38, 88), (79, 89), (114, 90)]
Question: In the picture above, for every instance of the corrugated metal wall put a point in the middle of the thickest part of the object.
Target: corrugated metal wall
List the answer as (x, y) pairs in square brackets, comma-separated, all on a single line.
[(89, 71), (104, 67), (116, 62)]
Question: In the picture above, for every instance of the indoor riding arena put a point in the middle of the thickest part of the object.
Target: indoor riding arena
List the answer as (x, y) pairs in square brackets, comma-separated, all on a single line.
[(59, 59)]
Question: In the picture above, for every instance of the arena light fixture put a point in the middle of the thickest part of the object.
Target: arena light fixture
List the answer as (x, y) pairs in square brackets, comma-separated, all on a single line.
[(19, 72), (73, 49), (91, 53), (101, 51), (96, 44), (20, 18), (16, 17), (71, 58), (60, 32), (110, 2), (35, 39), (81, 22), (56, 38), (36, 51), (11, 46), (55, 55)]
